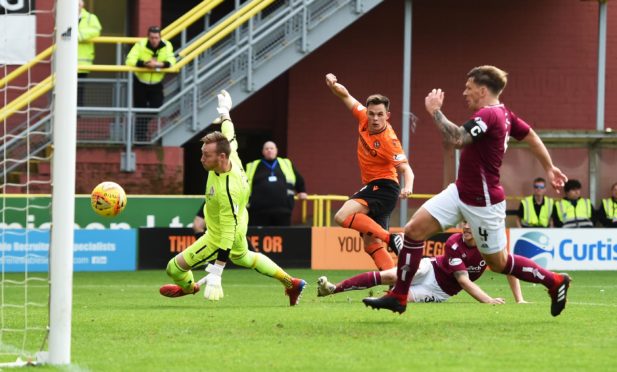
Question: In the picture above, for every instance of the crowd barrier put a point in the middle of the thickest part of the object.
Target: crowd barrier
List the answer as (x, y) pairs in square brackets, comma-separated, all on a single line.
[(322, 248)]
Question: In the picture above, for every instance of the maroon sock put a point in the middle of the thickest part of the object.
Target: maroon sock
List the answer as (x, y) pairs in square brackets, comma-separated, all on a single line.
[(408, 261), (360, 281), (526, 270)]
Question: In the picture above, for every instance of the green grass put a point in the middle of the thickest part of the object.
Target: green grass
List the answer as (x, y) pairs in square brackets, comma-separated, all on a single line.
[(121, 323)]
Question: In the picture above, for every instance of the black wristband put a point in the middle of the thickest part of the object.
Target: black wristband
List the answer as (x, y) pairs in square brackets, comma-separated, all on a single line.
[(222, 255)]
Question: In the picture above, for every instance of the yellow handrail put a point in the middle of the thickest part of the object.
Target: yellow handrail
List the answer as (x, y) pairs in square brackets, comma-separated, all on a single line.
[(224, 32), (23, 68), (123, 68), (27, 97), (206, 41), (192, 16), (171, 27), (322, 207), (168, 32), (219, 27)]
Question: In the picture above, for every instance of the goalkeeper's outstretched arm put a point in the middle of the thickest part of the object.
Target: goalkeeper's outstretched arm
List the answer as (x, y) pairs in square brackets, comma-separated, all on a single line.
[(227, 126)]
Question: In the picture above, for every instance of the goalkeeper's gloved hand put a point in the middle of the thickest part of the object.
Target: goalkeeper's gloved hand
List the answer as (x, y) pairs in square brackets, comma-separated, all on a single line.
[(224, 104), (214, 290)]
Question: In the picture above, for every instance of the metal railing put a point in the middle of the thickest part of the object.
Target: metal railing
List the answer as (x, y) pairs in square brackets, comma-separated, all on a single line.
[(322, 207), (223, 56)]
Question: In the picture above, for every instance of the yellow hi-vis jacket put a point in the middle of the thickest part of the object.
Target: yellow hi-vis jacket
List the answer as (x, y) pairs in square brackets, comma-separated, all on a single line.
[(609, 209), (141, 52), (286, 168), (530, 219), (575, 217), (88, 28)]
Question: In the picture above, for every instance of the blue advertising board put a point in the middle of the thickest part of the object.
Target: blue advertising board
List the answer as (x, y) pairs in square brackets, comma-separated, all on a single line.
[(567, 249), (94, 250)]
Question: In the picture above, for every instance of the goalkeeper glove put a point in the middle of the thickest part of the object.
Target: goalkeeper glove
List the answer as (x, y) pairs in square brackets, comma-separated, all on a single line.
[(214, 290), (224, 103)]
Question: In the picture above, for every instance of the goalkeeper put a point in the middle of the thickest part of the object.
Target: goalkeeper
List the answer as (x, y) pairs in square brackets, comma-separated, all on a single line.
[(227, 193)]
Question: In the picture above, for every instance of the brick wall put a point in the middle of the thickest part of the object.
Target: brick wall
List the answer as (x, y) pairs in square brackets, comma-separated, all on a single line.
[(145, 14), (549, 47), (159, 169)]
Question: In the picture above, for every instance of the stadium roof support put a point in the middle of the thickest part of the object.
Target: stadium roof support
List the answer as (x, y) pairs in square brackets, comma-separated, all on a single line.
[(406, 94), (602, 10)]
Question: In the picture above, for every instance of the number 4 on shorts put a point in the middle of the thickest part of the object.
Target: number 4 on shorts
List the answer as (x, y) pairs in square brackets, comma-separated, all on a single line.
[(483, 233)]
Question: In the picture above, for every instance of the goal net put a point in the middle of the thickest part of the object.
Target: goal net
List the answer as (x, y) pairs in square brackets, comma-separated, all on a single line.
[(34, 326)]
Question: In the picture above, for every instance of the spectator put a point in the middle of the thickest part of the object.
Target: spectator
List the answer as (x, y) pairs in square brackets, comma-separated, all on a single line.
[(607, 213), (88, 28), (536, 209), (572, 210), (152, 53), (199, 222), (274, 181)]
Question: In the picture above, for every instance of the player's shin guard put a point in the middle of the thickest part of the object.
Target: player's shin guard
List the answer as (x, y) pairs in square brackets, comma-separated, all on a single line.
[(181, 277), (263, 265), (364, 224), (380, 256), (528, 271), (408, 262)]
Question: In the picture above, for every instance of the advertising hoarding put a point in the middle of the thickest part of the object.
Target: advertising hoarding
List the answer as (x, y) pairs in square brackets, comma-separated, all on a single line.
[(567, 249), (94, 250)]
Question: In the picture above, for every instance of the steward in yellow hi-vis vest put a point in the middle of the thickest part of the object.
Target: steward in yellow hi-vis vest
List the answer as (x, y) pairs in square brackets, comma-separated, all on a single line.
[(274, 182), (88, 28), (573, 211), (154, 54), (531, 217), (536, 210), (607, 213)]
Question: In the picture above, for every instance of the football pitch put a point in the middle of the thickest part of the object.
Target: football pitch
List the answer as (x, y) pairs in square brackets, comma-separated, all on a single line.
[(121, 323)]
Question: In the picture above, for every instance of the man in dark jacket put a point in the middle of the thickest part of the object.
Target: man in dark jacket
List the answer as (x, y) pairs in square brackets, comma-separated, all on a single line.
[(274, 182)]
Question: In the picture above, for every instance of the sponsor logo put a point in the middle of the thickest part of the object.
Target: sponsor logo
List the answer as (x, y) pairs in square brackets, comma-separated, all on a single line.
[(596, 250), (367, 148), (455, 261), (476, 269), (535, 246)]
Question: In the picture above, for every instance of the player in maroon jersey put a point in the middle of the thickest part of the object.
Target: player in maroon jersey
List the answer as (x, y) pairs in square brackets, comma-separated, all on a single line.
[(437, 279), (477, 195)]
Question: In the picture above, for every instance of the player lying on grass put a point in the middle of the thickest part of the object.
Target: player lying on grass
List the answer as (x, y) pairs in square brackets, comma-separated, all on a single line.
[(437, 279), (227, 193)]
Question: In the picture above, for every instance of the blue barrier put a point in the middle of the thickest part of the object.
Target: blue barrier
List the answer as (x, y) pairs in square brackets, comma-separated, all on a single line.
[(94, 250)]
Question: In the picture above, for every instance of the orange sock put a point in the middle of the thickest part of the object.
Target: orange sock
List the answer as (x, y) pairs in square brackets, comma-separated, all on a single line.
[(380, 255), (364, 224)]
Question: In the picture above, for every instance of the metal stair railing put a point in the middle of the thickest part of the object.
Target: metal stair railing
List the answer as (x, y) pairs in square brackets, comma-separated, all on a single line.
[(227, 60)]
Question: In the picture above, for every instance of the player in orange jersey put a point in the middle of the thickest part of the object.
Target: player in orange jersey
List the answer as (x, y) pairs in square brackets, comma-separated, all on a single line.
[(382, 160)]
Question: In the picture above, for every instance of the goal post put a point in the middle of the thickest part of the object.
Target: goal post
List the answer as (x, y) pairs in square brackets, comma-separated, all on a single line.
[(63, 181)]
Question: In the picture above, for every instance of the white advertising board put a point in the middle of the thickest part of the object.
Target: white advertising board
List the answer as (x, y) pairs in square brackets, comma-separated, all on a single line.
[(567, 249)]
